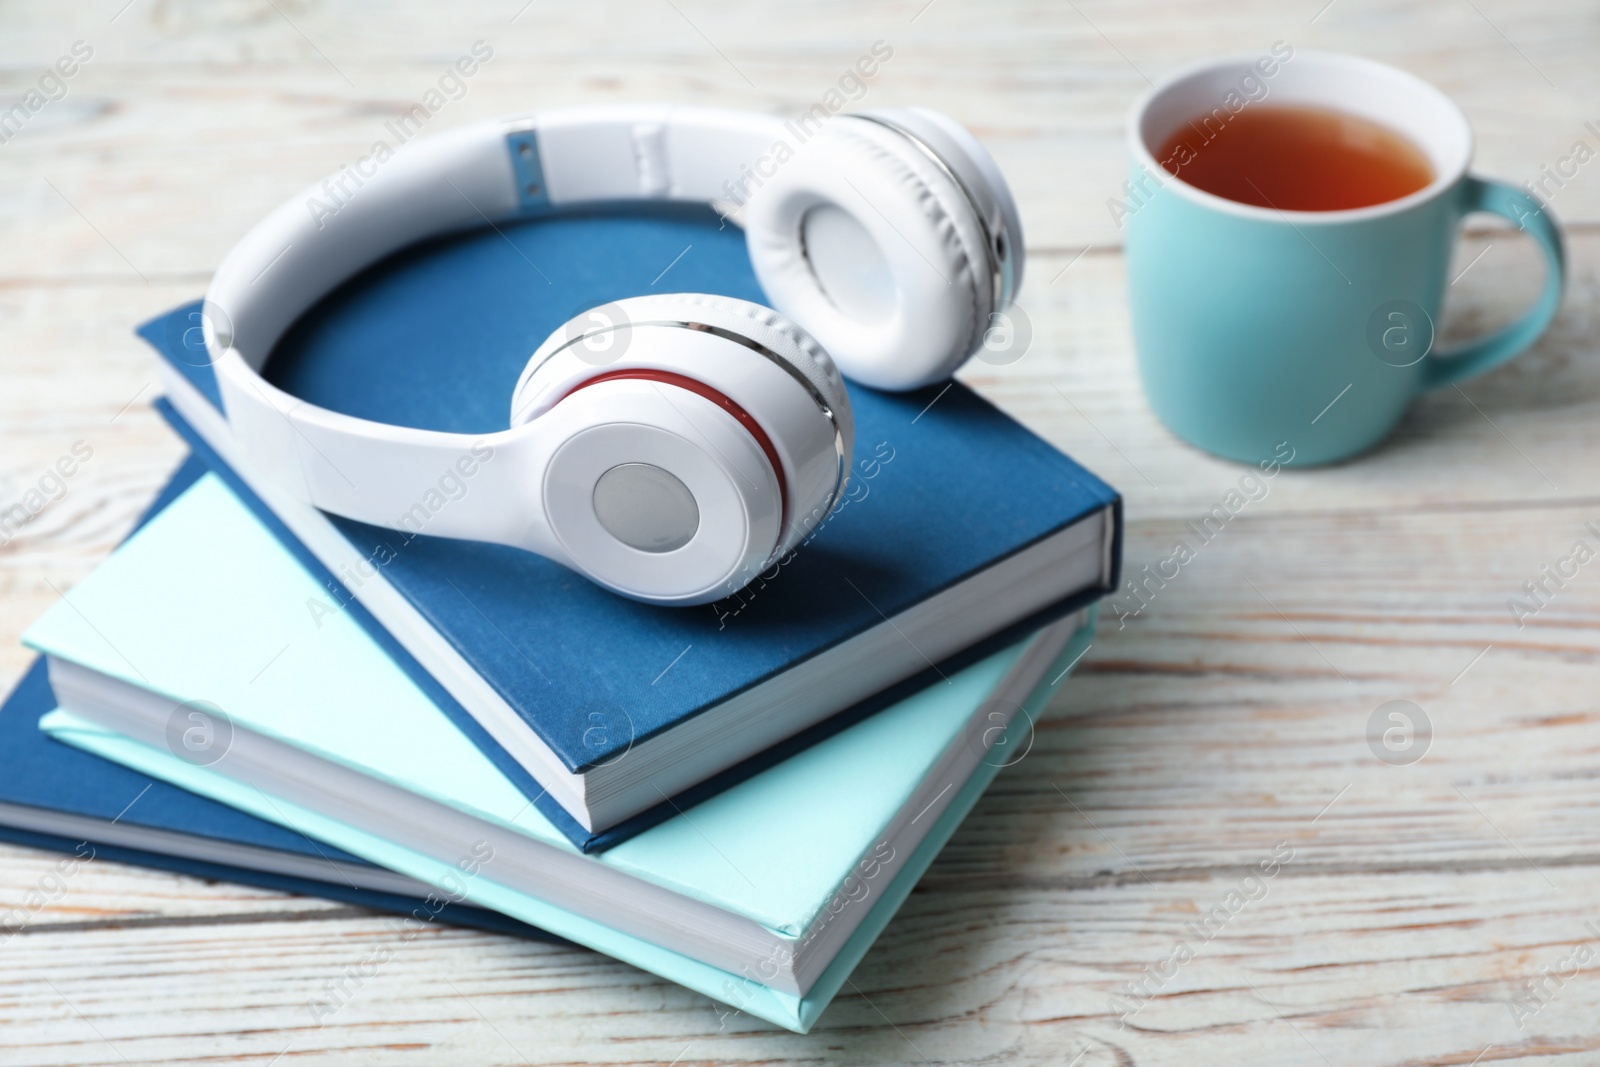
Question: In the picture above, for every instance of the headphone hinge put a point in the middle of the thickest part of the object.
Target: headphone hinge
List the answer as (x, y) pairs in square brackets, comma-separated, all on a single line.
[(533, 195)]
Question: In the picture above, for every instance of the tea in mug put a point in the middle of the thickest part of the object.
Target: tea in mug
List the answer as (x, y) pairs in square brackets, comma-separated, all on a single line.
[(1295, 158)]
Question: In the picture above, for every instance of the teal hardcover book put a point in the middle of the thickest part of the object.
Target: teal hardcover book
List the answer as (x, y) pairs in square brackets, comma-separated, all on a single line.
[(203, 628)]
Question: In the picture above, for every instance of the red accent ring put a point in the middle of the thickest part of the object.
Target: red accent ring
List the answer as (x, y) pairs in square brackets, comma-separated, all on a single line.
[(718, 398)]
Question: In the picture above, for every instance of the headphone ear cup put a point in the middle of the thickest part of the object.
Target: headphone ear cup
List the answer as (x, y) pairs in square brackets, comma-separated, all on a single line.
[(756, 363), (875, 250)]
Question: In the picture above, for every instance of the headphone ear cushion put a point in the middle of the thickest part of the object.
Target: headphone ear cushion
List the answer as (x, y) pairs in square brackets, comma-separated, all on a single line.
[(897, 282)]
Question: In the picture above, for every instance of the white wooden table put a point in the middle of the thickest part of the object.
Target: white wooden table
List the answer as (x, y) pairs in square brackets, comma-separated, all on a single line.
[(1411, 906)]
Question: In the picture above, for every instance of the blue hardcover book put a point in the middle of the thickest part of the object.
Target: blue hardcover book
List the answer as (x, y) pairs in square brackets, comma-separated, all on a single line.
[(60, 798), (963, 532)]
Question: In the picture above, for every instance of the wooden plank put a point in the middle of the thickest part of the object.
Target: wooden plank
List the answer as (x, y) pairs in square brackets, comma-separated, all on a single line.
[(1229, 711), (46, 892), (237, 113), (1297, 969)]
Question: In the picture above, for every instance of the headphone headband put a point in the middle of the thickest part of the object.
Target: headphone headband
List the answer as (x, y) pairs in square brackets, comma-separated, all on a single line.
[(484, 173)]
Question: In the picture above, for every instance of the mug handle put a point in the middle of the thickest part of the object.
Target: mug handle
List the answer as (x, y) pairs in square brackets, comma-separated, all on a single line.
[(1491, 350)]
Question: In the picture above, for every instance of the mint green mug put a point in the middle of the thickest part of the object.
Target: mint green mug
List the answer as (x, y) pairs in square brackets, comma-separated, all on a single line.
[(1256, 327)]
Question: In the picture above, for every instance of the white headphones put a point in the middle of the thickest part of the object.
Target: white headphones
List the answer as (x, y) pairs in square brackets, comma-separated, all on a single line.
[(667, 447)]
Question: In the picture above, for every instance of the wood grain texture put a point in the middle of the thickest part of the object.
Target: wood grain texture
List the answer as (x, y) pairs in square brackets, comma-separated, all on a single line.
[(1220, 727)]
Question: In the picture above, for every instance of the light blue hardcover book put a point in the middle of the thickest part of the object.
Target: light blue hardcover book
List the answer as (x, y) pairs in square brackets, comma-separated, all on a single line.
[(202, 653)]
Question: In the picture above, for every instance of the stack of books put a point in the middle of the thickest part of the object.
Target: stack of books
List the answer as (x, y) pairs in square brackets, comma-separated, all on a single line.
[(736, 797)]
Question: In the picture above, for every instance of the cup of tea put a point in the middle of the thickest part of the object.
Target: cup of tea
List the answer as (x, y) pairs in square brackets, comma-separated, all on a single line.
[(1289, 221)]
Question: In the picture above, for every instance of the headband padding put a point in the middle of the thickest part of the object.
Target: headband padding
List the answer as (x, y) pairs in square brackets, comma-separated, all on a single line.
[(922, 223)]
